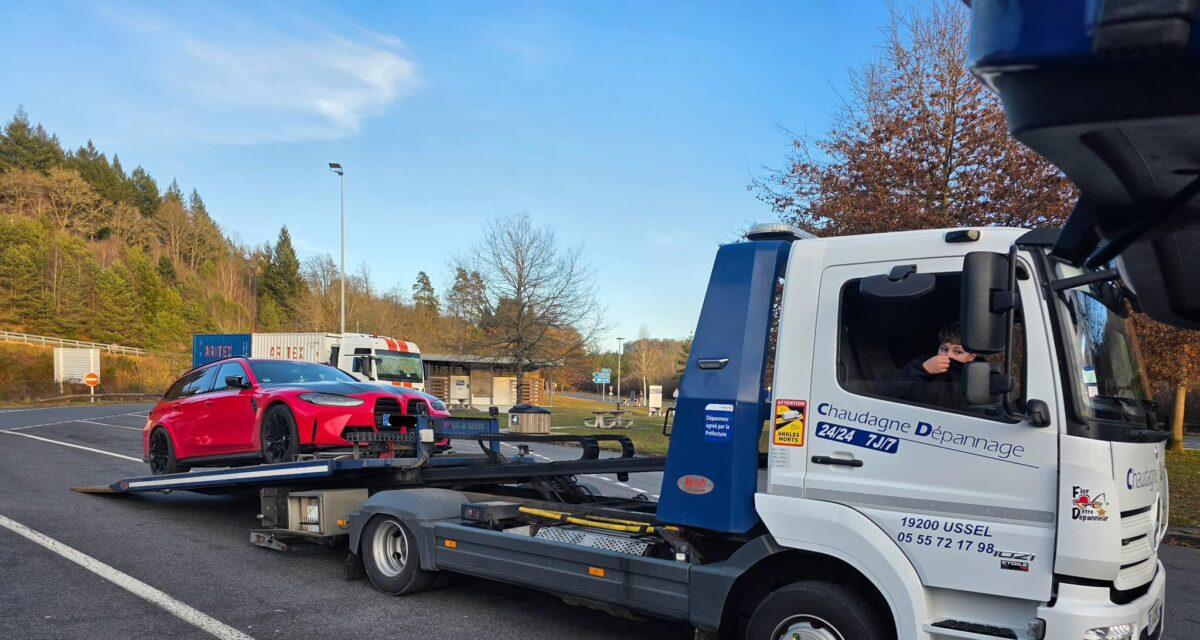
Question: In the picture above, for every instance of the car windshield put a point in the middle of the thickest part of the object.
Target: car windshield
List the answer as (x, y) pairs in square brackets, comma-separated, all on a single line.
[(396, 366), (290, 371), (1110, 378)]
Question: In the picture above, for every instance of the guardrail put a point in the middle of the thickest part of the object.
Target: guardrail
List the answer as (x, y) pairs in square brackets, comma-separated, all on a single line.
[(102, 396), (26, 338)]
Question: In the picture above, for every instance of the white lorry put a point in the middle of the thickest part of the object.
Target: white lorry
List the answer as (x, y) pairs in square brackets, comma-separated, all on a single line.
[(1027, 502)]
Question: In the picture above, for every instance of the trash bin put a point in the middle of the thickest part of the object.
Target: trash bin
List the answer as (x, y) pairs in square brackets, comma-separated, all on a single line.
[(528, 418)]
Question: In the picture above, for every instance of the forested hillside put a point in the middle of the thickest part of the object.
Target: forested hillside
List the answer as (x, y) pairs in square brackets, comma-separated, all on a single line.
[(91, 250)]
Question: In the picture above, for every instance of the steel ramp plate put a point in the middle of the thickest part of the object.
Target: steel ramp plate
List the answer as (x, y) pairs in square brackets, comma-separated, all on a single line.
[(98, 490)]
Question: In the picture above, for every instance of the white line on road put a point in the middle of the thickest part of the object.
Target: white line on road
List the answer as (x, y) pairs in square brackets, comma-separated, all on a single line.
[(68, 444), (105, 424), (127, 582), (51, 424)]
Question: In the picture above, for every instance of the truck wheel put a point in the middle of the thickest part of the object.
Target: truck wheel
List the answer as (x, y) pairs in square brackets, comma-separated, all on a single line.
[(280, 438), (814, 611), (390, 557), (162, 454)]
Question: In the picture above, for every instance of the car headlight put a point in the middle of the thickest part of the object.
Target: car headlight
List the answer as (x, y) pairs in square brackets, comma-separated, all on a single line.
[(1115, 632), (331, 400)]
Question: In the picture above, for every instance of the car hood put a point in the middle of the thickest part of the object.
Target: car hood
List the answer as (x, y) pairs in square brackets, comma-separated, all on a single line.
[(339, 388)]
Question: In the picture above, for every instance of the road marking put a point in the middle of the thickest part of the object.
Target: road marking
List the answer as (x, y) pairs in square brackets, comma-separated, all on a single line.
[(51, 424), (205, 623), (68, 444), (105, 424)]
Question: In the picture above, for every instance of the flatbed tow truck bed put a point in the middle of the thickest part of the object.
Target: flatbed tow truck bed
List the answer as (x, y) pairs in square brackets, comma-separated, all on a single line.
[(427, 468)]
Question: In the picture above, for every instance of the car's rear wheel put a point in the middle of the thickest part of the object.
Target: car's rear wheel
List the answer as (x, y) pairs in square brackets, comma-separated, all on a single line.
[(391, 558), (162, 454), (280, 438)]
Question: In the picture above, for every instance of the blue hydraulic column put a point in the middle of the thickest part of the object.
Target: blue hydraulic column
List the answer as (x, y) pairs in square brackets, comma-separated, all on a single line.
[(712, 465)]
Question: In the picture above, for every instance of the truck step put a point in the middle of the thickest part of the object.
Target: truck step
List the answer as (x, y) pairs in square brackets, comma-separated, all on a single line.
[(965, 629)]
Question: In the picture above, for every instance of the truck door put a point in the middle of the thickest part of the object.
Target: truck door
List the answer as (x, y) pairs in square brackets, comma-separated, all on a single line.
[(967, 493)]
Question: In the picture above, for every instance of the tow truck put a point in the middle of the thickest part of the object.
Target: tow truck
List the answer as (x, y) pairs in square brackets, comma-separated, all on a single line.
[(1032, 511), (800, 501)]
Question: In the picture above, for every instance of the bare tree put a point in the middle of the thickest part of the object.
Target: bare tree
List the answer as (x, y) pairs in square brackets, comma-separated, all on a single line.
[(649, 360), (537, 302)]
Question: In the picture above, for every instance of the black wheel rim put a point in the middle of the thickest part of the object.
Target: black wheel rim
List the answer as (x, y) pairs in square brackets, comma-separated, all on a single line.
[(277, 437), (159, 452)]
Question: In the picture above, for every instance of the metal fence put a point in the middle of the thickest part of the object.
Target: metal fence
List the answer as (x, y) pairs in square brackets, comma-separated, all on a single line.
[(25, 338)]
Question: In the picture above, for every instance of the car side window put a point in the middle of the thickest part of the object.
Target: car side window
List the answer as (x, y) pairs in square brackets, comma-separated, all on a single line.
[(910, 350), (176, 389), (226, 370), (201, 384)]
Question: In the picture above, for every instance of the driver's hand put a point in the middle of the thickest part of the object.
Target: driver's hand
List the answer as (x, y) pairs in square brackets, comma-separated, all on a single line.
[(937, 365)]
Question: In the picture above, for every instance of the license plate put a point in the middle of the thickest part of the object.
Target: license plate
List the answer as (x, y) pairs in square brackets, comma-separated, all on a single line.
[(1155, 616)]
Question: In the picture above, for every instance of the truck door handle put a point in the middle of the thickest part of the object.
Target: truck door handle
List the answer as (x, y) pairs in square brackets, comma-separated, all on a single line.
[(845, 462)]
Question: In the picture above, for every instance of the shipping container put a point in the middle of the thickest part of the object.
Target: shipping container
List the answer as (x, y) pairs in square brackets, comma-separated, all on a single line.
[(308, 347), (212, 347)]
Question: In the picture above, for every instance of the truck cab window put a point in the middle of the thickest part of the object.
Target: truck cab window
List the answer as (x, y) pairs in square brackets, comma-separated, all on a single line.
[(908, 350)]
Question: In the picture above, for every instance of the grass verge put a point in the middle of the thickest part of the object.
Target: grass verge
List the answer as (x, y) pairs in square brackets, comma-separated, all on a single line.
[(1184, 469)]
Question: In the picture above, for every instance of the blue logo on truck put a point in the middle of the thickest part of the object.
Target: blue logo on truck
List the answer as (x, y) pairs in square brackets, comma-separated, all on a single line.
[(857, 438)]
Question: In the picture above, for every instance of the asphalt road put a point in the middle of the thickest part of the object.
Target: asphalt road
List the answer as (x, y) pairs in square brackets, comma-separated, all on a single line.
[(194, 549)]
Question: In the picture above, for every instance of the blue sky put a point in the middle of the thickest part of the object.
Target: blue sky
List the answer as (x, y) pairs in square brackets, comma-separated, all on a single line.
[(632, 128)]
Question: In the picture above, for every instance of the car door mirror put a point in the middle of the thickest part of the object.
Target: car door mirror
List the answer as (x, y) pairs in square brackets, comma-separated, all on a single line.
[(986, 302), (236, 382)]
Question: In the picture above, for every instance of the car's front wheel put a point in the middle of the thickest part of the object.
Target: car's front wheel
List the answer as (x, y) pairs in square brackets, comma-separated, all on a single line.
[(162, 454), (280, 438)]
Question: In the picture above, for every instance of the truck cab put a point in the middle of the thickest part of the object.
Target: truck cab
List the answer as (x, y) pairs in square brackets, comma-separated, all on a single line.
[(374, 358)]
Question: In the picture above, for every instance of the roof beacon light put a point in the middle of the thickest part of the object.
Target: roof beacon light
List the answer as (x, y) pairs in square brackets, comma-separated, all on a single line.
[(777, 231)]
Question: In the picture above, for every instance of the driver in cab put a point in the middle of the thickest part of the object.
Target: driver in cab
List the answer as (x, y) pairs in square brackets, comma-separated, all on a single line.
[(936, 380)]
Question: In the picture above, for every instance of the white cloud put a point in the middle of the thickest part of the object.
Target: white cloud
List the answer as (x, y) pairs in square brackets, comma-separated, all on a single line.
[(233, 79)]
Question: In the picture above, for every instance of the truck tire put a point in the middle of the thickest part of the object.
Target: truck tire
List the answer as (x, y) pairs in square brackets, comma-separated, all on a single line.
[(815, 611), (162, 454), (390, 556), (279, 438)]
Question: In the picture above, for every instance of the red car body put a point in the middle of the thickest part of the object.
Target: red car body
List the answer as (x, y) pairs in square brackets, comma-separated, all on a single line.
[(212, 422)]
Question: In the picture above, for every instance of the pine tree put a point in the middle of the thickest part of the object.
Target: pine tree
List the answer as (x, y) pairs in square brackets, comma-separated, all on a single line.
[(116, 313), (24, 146), (145, 192), (281, 280), (424, 297), (174, 192)]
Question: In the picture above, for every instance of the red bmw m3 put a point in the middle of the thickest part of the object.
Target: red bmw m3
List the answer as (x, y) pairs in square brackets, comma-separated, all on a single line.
[(249, 411)]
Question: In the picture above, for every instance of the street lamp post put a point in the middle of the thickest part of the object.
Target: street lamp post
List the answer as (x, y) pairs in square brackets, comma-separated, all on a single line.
[(337, 168), (619, 351)]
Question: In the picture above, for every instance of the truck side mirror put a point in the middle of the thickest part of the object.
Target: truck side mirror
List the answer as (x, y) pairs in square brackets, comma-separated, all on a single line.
[(983, 384), (986, 302)]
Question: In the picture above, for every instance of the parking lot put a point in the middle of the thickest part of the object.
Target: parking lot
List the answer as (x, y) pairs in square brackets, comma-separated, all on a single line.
[(186, 568)]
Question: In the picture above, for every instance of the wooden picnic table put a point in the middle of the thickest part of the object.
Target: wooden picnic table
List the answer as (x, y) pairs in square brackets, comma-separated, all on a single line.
[(609, 419)]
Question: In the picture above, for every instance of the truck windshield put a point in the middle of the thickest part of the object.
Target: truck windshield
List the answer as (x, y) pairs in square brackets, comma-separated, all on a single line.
[(1109, 377), (395, 366)]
